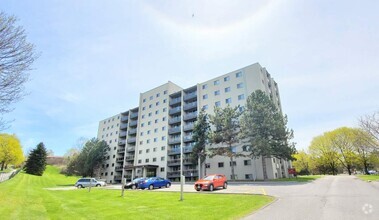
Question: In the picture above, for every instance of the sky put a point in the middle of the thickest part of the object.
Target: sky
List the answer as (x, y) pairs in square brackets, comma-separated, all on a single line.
[(96, 57)]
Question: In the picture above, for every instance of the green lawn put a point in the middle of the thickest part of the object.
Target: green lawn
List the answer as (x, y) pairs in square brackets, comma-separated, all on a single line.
[(369, 177), (299, 178), (24, 197)]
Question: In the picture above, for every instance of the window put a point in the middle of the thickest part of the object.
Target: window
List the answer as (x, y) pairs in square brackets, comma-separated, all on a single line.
[(150, 114), (154, 149), (151, 97), (154, 159), (227, 89), (157, 103), (217, 104), (144, 100), (163, 147), (228, 100), (146, 160), (143, 108), (111, 173), (108, 164), (147, 150), (205, 107), (147, 141), (163, 138), (239, 85), (162, 169), (164, 100), (162, 158), (156, 121), (143, 116), (149, 123), (164, 109), (140, 152), (148, 132), (239, 74), (106, 173), (248, 176), (150, 105), (221, 164), (207, 165), (241, 108), (139, 161), (247, 162), (163, 128), (155, 139), (227, 78), (113, 164), (205, 86), (142, 124), (141, 134), (157, 95), (114, 156), (164, 119), (216, 82), (205, 96), (217, 92), (165, 92), (241, 97)]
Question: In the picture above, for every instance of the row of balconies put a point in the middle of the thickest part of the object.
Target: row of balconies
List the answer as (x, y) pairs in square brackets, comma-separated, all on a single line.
[(121, 150), (174, 151), (187, 106), (176, 162), (129, 158), (186, 117), (187, 173), (124, 118), (176, 129), (134, 115)]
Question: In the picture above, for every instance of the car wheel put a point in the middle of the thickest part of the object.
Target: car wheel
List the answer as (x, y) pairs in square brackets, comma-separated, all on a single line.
[(168, 185), (98, 185), (211, 187), (198, 189), (80, 186), (134, 187), (225, 185), (151, 187)]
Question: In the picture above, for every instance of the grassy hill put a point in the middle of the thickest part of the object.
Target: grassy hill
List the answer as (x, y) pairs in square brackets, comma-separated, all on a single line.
[(26, 197)]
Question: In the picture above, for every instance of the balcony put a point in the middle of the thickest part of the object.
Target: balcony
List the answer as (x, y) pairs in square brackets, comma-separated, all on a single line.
[(187, 161), (174, 110), (134, 115), (128, 165), (187, 149), (133, 123), (130, 149), (187, 138), (121, 150), (132, 131), (122, 134), (188, 127), (121, 142), (174, 162), (120, 159), (190, 172), (124, 118), (124, 126), (189, 96), (129, 158), (118, 168), (191, 115), (175, 101), (117, 178), (131, 140), (174, 120), (174, 151), (173, 174), (190, 106), (174, 130), (174, 141)]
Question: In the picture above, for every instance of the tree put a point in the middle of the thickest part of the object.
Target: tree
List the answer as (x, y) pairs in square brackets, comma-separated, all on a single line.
[(16, 58), (302, 162), (36, 163), (89, 159), (364, 145), (200, 135), (370, 123), (263, 129), (10, 151), (324, 154), (227, 126)]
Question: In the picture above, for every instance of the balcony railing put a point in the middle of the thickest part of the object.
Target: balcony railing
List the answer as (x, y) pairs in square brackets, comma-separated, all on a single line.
[(174, 151), (132, 131), (117, 177), (118, 168), (120, 159), (122, 134), (187, 138), (189, 116), (173, 173), (174, 130), (174, 120), (121, 142), (129, 158), (175, 101), (188, 127), (131, 140), (189, 173), (190, 96), (187, 149), (174, 162), (174, 110), (134, 115), (124, 118), (124, 125), (130, 149), (121, 150), (189, 106), (133, 123), (173, 140)]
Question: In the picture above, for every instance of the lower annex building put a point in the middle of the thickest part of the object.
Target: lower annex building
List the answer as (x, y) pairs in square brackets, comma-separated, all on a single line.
[(146, 140)]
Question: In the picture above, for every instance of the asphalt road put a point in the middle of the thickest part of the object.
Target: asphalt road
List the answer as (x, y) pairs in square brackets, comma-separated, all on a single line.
[(331, 197)]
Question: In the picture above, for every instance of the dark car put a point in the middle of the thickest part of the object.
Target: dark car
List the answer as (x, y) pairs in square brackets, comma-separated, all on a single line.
[(134, 184), (154, 182)]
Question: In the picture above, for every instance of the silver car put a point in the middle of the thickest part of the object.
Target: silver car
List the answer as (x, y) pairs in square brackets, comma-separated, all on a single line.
[(86, 182)]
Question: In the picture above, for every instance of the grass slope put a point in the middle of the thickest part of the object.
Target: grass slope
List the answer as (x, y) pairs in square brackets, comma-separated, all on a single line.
[(369, 177), (24, 197)]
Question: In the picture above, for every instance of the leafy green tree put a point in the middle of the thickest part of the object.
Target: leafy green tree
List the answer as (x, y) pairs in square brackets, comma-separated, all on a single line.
[(263, 129), (364, 144), (226, 128), (200, 135), (302, 162), (325, 154), (10, 151), (36, 163), (89, 159)]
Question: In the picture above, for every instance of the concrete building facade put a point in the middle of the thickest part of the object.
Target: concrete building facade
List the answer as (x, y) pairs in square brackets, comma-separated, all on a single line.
[(147, 140)]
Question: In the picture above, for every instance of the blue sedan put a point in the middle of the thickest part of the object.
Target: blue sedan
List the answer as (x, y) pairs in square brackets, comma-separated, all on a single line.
[(154, 182)]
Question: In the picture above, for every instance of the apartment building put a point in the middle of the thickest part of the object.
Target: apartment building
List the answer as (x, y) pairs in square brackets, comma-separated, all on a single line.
[(147, 140)]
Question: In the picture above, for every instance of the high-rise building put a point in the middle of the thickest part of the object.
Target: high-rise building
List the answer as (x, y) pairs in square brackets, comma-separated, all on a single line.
[(146, 140)]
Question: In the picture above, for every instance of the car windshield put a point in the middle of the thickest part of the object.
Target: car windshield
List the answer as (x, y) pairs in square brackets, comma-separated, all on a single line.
[(139, 179), (208, 178)]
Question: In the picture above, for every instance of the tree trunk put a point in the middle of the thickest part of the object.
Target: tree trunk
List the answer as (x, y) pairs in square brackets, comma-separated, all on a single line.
[(365, 165), (264, 168), (232, 165), (349, 169), (2, 165), (199, 166)]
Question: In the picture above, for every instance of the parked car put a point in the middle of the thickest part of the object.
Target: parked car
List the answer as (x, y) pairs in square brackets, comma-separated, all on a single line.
[(211, 182), (372, 172), (154, 182), (86, 182), (135, 183)]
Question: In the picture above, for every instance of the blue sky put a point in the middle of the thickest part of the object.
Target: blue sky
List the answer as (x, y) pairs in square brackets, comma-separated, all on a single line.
[(97, 56)]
